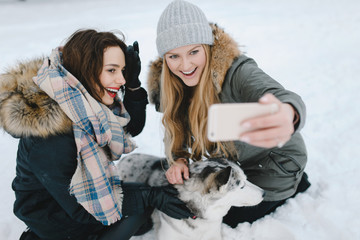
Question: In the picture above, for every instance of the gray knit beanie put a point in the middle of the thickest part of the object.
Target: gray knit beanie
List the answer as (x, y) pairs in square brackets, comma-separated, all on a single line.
[(181, 24)]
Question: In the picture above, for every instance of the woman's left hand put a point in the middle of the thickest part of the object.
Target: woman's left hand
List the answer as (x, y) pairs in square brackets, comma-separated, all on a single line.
[(178, 171), (270, 130)]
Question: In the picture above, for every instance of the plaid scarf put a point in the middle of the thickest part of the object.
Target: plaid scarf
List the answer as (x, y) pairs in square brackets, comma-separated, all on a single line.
[(95, 183)]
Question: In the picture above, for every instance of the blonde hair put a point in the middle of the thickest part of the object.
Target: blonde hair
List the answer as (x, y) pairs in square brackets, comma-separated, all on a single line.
[(184, 134)]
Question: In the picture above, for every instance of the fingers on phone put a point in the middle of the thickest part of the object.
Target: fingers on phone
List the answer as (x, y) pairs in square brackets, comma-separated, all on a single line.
[(269, 98), (266, 138), (270, 143)]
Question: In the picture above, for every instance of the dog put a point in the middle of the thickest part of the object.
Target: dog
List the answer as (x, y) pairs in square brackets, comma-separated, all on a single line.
[(213, 187)]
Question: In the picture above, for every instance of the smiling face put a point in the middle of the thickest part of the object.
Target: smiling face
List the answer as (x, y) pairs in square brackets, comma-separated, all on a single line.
[(187, 62), (111, 76)]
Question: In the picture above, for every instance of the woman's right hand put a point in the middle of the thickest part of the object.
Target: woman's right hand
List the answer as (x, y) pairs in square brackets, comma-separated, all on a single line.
[(178, 171)]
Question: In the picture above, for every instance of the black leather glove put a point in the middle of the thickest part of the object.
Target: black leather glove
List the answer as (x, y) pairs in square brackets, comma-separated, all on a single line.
[(139, 196), (133, 66)]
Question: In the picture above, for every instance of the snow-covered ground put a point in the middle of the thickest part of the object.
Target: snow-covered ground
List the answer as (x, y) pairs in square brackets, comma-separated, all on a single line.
[(310, 46)]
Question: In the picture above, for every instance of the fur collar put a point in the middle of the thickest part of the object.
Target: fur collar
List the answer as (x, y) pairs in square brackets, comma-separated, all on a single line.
[(25, 110), (224, 51)]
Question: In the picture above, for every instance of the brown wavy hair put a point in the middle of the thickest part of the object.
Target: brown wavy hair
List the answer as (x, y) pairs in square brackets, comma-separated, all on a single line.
[(83, 56), (185, 115)]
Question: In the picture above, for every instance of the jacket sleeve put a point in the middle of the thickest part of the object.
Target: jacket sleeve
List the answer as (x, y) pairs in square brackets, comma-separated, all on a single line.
[(53, 161), (249, 83), (135, 103)]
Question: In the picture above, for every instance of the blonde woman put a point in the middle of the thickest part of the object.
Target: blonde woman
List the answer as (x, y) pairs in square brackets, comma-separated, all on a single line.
[(200, 65)]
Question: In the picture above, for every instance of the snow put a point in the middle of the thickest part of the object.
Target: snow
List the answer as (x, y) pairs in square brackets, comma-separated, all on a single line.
[(309, 46)]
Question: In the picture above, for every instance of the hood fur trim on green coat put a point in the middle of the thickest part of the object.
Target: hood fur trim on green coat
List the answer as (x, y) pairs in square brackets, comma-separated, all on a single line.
[(224, 51), (25, 110)]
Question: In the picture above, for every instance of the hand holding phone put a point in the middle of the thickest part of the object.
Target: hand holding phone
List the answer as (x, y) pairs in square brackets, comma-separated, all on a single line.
[(224, 119)]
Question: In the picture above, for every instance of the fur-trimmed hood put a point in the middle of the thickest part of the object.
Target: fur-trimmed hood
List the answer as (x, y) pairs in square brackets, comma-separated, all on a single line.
[(25, 110), (224, 51)]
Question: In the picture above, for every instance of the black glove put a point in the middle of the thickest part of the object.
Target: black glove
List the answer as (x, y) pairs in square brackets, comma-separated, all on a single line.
[(139, 196), (133, 66)]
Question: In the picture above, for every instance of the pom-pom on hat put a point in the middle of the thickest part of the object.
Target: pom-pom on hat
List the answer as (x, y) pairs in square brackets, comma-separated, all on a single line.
[(182, 23)]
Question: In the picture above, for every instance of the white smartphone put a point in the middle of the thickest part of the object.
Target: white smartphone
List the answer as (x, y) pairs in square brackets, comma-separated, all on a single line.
[(224, 119)]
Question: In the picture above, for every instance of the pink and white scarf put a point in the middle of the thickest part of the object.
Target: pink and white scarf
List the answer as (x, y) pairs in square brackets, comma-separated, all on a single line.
[(95, 183)]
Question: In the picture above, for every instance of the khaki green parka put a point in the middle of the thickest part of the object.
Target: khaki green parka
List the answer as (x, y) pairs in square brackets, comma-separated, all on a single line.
[(238, 79)]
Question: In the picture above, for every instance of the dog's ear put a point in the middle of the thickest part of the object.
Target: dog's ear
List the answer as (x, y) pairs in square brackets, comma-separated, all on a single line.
[(214, 179), (222, 177)]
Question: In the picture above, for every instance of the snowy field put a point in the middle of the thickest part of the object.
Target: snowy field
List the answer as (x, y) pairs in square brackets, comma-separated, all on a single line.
[(310, 46)]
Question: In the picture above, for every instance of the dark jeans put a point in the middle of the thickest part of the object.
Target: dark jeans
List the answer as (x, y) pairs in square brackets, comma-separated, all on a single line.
[(121, 230), (238, 215)]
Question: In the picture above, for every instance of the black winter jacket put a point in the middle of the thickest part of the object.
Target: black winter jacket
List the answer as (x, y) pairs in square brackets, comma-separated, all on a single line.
[(46, 158)]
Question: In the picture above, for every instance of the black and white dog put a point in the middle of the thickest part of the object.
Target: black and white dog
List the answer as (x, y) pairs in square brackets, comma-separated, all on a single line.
[(213, 187)]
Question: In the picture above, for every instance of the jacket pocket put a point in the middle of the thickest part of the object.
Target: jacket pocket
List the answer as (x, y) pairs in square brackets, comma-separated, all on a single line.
[(286, 164)]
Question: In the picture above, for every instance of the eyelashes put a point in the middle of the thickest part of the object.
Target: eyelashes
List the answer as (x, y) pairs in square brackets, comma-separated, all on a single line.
[(194, 52), (175, 56)]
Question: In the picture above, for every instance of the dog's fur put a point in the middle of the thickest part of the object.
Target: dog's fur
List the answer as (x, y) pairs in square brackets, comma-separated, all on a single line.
[(213, 187)]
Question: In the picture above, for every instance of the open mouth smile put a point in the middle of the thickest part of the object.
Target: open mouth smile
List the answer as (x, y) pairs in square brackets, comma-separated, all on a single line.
[(112, 91), (189, 74)]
